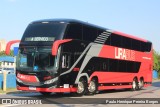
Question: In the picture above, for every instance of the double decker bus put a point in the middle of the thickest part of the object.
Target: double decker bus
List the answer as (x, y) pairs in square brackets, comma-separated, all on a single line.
[(67, 55)]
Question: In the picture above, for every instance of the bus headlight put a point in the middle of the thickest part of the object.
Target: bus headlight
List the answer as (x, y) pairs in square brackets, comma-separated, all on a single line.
[(18, 80), (51, 81)]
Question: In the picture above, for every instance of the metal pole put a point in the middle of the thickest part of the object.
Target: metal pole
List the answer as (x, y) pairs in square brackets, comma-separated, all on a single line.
[(4, 80)]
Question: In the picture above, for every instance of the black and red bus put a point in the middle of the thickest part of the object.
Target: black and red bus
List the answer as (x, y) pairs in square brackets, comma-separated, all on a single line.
[(67, 55)]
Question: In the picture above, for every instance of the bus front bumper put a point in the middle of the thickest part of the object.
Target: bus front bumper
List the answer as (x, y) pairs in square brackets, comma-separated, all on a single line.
[(37, 89)]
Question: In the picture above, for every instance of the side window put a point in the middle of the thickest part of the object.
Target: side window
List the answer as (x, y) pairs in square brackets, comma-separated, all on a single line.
[(136, 45), (146, 47), (136, 66), (113, 65), (126, 43), (104, 66), (149, 46), (116, 40), (133, 66), (74, 31), (89, 33), (108, 41), (66, 58), (122, 66)]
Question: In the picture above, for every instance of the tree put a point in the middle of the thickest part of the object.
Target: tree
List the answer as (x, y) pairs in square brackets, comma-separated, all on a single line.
[(156, 65), (2, 53)]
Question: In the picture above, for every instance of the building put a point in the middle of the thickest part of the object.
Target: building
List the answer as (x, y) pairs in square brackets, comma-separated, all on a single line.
[(2, 45), (7, 62)]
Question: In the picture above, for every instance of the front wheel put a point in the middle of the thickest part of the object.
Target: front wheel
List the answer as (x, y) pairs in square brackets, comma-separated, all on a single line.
[(81, 88)]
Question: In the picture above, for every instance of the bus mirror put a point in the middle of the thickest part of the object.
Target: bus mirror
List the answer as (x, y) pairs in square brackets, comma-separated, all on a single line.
[(9, 44), (57, 43)]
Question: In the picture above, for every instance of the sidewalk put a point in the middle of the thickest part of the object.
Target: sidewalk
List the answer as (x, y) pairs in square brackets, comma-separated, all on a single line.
[(13, 91), (155, 80)]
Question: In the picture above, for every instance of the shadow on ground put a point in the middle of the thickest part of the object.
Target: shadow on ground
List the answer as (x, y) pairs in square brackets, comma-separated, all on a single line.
[(156, 84), (68, 98), (59, 95)]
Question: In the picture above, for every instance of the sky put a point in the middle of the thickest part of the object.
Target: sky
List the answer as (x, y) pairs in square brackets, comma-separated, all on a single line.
[(140, 18)]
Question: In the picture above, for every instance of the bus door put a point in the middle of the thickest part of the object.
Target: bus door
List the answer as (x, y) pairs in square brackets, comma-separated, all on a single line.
[(66, 61), (65, 64)]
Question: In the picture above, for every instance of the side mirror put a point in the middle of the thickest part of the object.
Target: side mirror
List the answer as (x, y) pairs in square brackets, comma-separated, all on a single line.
[(9, 44), (57, 43)]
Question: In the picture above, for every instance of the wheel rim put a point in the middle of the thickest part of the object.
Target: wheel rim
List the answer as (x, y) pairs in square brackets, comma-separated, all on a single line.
[(80, 87), (134, 84), (141, 83), (92, 87)]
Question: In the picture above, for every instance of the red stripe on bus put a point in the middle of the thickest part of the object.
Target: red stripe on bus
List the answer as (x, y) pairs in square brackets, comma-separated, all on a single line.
[(114, 87), (73, 89), (76, 69), (27, 78)]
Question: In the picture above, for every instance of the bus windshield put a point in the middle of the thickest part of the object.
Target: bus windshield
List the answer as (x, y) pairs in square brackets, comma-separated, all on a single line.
[(36, 59)]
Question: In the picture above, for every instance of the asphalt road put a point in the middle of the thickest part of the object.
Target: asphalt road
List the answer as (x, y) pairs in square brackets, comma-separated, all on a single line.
[(67, 100)]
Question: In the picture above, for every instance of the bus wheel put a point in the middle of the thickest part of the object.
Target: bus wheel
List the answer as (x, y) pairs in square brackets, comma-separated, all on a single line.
[(46, 93), (141, 83), (81, 88), (135, 85), (92, 88)]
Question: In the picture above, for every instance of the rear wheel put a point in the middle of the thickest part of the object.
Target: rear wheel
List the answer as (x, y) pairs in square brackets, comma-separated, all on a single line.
[(135, 84), (92, 88), (46, 93), (141, 83)]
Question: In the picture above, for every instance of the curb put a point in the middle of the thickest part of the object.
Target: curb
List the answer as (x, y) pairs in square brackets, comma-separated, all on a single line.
[(155, 80), (16, 92)]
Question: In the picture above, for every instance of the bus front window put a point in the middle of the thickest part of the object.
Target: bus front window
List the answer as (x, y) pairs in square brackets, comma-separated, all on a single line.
[(36, 61)]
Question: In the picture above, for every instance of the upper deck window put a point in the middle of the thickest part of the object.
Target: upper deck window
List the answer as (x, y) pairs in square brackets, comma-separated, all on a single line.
[(41, 31), (74, 31), (82, 32)]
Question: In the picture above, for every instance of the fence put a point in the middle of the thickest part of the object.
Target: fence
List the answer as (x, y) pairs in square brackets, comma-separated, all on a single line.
[(155, 74), (11, 81)]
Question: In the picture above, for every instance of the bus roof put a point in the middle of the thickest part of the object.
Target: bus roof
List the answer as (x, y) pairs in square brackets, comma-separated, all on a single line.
[(69, 21), (89, 24), (129, 36)]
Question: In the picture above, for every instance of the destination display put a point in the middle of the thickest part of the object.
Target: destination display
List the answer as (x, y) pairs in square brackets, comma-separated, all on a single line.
[(37, 39)]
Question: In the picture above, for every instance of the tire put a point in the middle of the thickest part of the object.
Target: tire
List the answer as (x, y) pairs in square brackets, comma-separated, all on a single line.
[(135, 85), (141, 84), (92, 88), (46, 93), (81, 88)]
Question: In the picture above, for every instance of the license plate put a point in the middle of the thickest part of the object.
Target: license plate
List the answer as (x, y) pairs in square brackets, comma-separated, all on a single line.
[(66, 86), (32, 88)]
